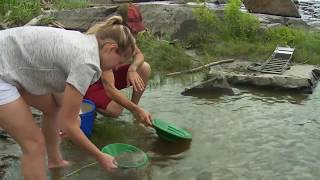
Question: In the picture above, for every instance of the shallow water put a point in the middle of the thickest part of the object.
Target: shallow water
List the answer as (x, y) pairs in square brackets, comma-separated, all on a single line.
[(255, 134)]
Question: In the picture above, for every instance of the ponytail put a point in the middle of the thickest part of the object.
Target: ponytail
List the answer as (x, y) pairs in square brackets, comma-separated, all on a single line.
[(113, 29), (114, 20)]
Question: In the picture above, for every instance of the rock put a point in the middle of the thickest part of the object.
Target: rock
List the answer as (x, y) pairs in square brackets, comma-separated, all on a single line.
[(82, 19), (9, 159), (286, 21), (273, 7), (217, 84), (274, 25), (298, 77), (315, 24), (173, 20)]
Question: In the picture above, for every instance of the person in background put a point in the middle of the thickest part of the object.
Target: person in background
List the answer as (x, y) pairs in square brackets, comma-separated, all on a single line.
[(37, 66), (135, 73)]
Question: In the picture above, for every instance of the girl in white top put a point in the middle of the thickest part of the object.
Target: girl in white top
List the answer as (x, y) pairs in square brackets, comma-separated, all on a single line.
[(37, 65)]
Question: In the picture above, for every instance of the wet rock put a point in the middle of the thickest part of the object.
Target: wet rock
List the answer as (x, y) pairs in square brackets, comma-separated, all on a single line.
[(315, 24), (217, 84)]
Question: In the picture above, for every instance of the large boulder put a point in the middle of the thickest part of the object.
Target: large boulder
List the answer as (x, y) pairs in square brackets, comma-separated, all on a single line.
[(169, 19), (173, 20), (274, 7), (82, 19), (299, 77)]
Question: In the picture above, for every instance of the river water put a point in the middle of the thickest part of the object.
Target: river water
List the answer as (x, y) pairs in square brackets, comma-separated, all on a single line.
[(255, 134)]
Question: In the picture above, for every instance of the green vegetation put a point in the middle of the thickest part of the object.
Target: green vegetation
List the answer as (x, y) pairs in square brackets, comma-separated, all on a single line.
[(239, 35), (307, 43), (18, 11), (163, 55), (70, 4)]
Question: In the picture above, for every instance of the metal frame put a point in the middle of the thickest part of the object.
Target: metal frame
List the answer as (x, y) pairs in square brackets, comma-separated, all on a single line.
[(279, 61)]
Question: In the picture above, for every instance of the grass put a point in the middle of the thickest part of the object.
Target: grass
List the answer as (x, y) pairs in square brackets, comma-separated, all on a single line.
[(70, 4), (239, 35), (19, 12), (307, 43), (163, 56)]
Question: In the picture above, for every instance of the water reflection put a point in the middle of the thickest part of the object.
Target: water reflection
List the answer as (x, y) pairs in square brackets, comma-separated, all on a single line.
[(272, 95), (254, 134), (265, 95), (163, 147), (57, 173)]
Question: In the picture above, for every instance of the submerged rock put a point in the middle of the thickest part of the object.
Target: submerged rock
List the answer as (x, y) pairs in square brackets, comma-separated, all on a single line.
[(217, 85)]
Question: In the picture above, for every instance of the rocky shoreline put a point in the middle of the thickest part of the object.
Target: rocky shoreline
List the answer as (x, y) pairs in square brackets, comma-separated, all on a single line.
[(222, 78), (9, 158)]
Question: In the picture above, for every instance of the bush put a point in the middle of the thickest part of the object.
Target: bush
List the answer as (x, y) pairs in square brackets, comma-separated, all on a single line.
[(235, 26), (162, 55), (307, 44), (237, 35), (208, 23), (240, 25)]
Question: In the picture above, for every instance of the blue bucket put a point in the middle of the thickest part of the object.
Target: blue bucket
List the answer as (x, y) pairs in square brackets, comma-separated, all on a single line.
[(87, 118)]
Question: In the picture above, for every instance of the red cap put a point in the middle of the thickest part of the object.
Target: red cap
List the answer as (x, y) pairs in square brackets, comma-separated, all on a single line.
[(135, 19)]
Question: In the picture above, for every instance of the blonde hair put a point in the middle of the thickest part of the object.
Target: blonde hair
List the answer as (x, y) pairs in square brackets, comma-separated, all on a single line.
[(113, 29)]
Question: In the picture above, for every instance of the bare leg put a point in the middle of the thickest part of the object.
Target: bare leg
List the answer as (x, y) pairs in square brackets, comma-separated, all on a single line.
[(114, 109), (49, 105), (17, 120)]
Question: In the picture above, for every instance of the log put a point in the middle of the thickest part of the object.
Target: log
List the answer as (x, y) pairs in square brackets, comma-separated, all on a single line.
[(35, 21), (202, 67)]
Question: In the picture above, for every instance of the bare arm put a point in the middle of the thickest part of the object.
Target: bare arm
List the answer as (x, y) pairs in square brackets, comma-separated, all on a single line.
[(116, 95), (133, 76), (68, 120), (138, 60)]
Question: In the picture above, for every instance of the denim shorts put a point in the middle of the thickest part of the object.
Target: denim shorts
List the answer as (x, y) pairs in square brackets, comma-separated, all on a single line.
[(8, 93)]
